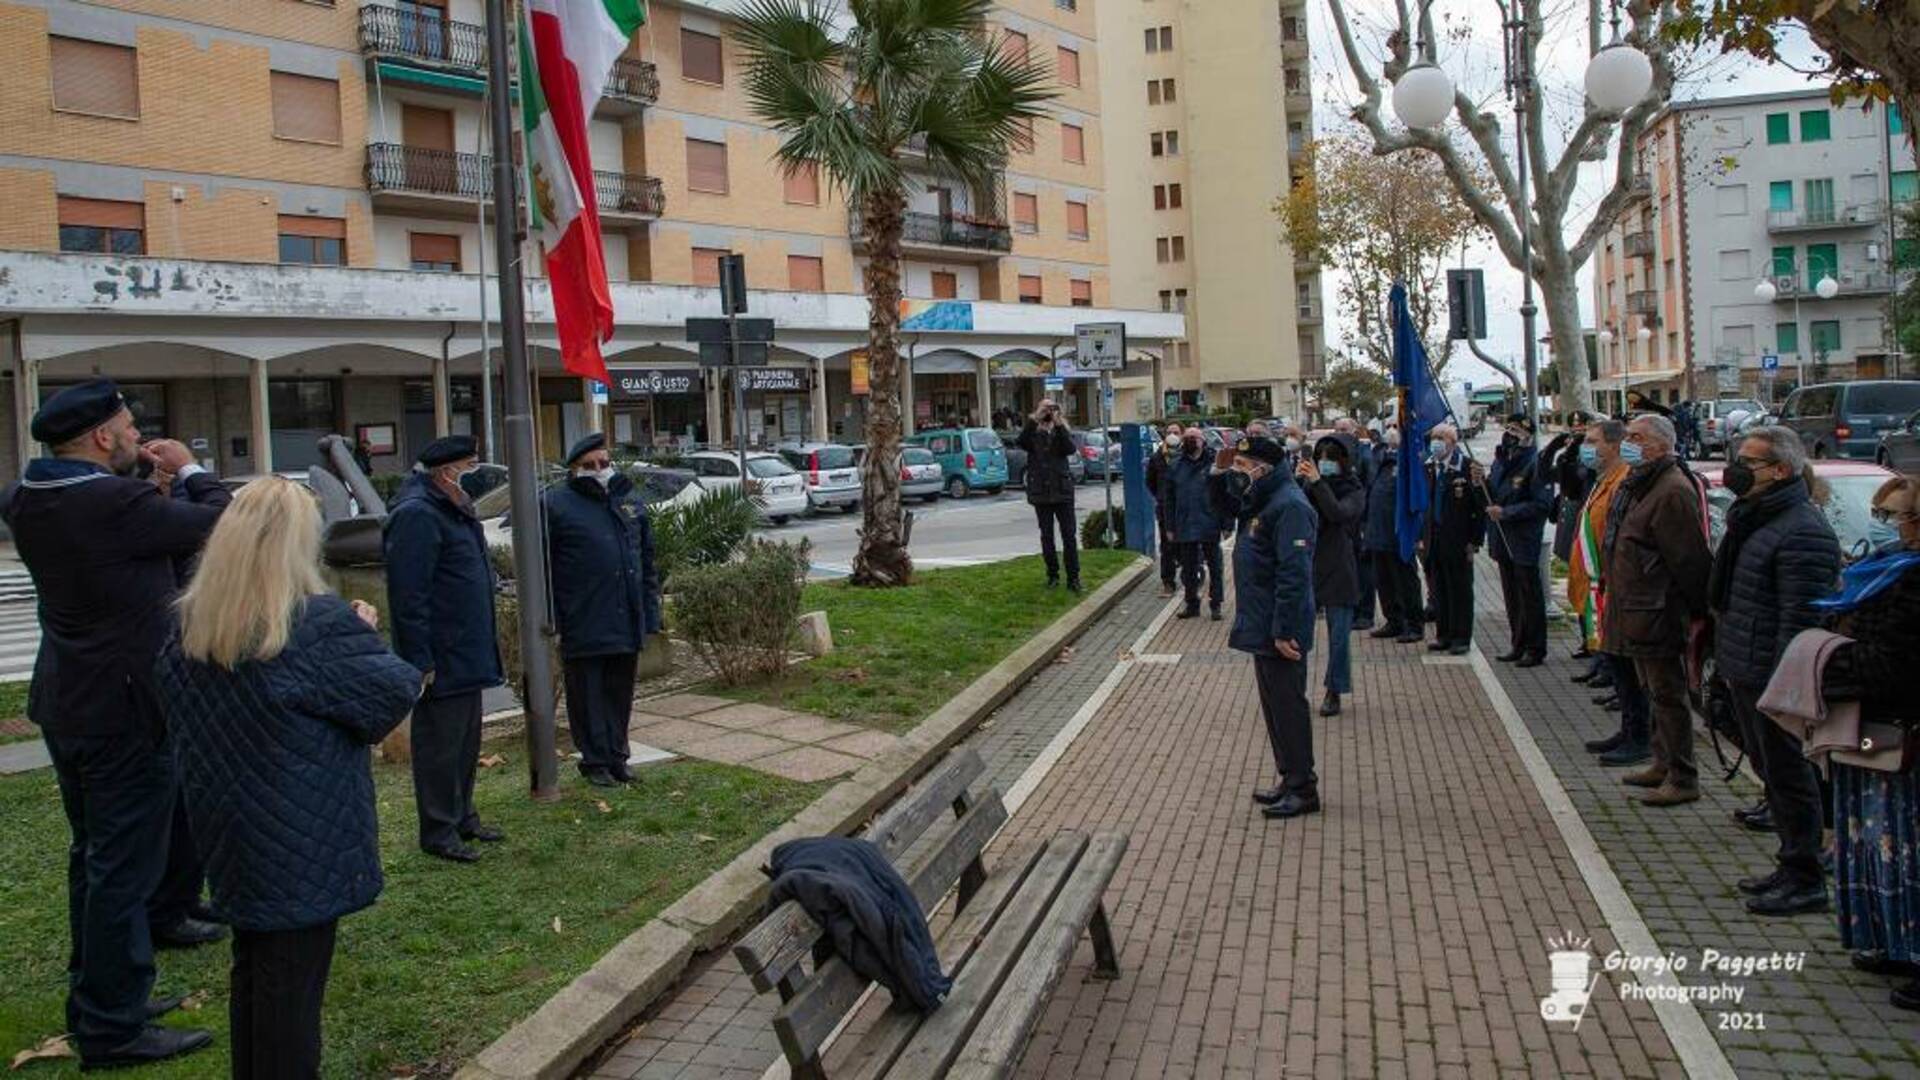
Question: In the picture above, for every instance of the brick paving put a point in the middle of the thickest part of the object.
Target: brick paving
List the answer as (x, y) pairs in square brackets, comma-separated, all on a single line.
[(1679, 866)]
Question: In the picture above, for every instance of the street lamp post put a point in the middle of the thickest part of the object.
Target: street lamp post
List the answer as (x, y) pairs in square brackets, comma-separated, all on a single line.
[(1826, 289)]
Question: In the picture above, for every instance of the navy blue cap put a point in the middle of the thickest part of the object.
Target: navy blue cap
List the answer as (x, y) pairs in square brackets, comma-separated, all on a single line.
[(587, 445), (1261, 448), (77, 410), (447, 450)]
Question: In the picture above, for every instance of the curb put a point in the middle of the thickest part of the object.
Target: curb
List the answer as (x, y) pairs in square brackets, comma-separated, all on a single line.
[(576, 1021)]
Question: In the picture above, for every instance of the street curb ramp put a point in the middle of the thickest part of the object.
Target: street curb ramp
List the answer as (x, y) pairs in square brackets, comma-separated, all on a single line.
[(573, 1023)]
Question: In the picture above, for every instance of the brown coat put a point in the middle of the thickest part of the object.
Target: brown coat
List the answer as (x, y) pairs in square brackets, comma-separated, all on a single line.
[(1657, 564)]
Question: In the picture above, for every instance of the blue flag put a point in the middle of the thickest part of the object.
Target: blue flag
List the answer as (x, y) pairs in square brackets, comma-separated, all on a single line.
[(1421, 407)]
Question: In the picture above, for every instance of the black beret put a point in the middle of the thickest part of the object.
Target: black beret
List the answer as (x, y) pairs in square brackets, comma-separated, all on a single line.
[(1520, 419), (77, 410), (447, 450), (1261, 448), (587, 445)]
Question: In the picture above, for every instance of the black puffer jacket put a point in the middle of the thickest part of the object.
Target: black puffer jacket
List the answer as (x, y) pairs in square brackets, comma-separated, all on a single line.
[(1049, 477), (1341, 502), (1779, 554)]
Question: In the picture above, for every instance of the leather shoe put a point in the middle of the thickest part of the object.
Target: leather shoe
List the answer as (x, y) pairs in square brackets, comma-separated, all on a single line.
[(1385, 631), (1601, 746), (1650, 777), (1907, 997), (1191, 611), (1761, 883), (486, 834), (1602, 681), (154, 1043), (621, 773), (1270, 796), (1875, 962), (1439, 646), (1668, 795), (1330, 705), (161, 1006), (1629, 752), (1213, 613), (1583, 676), (1743, 813), (1460, 649), (1761, 820), (1531, 660), (599, 778), (187, 933), (1611, 706), (1602, 699), (1293, 804), (454, 853), (1790, 898), (1510, 656), (1362, 624), (1411, 637)]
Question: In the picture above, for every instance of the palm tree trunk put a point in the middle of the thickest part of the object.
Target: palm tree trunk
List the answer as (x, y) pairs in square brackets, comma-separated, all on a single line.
[(882, 559)]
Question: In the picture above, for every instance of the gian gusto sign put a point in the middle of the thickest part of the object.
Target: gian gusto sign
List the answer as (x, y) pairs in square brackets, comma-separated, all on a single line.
[(631, 383)]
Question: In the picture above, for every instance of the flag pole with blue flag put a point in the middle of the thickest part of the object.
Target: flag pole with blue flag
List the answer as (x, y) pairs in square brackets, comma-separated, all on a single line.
[(1422, 407)]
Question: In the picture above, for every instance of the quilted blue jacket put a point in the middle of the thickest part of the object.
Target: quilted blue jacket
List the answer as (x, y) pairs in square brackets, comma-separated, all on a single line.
[(276, 770)]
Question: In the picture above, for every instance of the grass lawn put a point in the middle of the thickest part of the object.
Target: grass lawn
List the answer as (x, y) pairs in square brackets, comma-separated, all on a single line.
[(13, 706), (899, 654), (450, 956)]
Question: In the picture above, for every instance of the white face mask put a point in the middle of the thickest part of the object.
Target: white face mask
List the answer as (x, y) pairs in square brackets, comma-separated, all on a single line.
[(605, 476), (1173, 442)]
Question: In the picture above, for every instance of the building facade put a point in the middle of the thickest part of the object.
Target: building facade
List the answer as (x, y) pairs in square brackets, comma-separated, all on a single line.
[(273, 220), (1208, 111), (1789, 189)]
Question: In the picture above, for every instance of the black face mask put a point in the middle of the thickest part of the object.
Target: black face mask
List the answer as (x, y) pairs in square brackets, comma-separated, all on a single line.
[(1738, 477), (1239, 486), (1509, 441)]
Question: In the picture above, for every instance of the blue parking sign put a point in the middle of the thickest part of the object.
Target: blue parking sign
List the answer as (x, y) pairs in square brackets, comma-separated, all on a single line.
[(1770, 362)]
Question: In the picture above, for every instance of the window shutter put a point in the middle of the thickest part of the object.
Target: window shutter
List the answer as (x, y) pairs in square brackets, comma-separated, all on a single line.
[(102, 213), (95, 77), (1017, 45), (306, 108), (1153, 91), (325, 228), (434, 248), (707, 166), (1082, 293), (1179, 249), (706, 266), (1077, 220), (1029, 288), (803, 185), (806, 273), (1159, 196), (1026, 211), (700, 57), (1073, 143), (945, 285), (1069, 66), (1173, 196)]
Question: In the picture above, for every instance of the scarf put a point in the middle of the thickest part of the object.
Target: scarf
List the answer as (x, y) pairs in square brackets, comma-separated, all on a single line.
[(1866, 579), (1585, 577), (1744, 518)]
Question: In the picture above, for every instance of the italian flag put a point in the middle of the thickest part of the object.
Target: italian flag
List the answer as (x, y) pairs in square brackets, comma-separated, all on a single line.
[(567, 48)]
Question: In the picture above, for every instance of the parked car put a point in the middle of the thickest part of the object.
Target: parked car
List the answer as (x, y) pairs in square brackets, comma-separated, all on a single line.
[(777, 489), (831, 470), (1716, 419), (1900, 447), (920, 474), (969, 458), (1219, 438), (1099, 455), (1017, 461), (1844, 420), (658, 487)]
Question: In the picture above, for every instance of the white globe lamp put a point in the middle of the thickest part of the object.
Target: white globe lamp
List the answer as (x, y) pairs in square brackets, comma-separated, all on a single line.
[(1619, 77), (1765, 292), (1424, 96), (1606, 337), (1828, 288), (1644, 334)]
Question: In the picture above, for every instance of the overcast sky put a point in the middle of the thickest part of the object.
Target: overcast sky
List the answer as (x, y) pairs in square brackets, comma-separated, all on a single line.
[(1470, 53)]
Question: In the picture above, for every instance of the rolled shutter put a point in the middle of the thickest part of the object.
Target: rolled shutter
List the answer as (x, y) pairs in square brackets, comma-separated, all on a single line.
[(306, 108), (95, 77), (707, 166), (102, 213)]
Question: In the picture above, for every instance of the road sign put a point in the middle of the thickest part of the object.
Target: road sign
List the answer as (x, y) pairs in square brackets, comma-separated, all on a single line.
[(718, 354), (1770, 362), (1101, 346), (733, 284), (702, 330), (598, 391), (1466, 305), (1055, 384)]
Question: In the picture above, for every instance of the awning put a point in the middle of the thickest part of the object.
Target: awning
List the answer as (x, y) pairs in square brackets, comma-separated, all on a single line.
[(1635, 378)]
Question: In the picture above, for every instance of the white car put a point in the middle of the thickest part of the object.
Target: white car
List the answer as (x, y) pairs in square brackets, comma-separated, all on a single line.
[(658, 488), (778, 489)]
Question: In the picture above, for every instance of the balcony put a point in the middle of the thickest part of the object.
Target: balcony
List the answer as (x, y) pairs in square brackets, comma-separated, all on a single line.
[(632, 85), (1298, 100), (419, 38), (1644, 302), (417, 180), (1853, 283), (1640, 186), (1307, 312), (1313, 365), (1855, 216), (1293, 48), (1638, 244), (949, 236)]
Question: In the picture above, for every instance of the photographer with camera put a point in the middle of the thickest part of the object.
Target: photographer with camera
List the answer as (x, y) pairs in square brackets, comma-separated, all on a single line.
[(1049, 448)]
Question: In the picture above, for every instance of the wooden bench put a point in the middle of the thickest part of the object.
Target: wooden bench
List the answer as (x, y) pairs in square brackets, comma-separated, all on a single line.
[(1009, 944)]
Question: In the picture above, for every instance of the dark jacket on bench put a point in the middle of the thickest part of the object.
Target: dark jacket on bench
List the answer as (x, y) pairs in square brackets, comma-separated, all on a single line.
[(870, 916)]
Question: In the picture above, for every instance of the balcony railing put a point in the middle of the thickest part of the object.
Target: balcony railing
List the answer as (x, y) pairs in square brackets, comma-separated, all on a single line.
[(1313, 365), (948, 230), (1788, 287), (1643, 302), (1853, 216), (633, 81), (417, 170), (422, 36), (1640, 186), (1637, 244), (1308, 311)]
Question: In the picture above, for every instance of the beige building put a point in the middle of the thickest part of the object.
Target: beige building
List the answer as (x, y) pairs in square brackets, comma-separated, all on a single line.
[(1208, 111), (271, 220)]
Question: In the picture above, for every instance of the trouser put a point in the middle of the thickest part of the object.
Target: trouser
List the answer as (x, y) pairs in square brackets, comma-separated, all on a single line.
[(118, 793), (1430, 608), (1453, 596), (1793, 788), (1283, 702), (1363, 611), (1339, 678), (1059, 516), (278, 982), (180, 882), (600, 708), (446, 750), (1193, 554), (1636, 720), (1526, 606), (1665, 681), (1398, 584), (1169, 559)]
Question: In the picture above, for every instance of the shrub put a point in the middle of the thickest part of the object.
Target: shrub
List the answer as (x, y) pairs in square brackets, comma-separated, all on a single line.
[(506, 628), (387, 485), (706, 532), (739, 616), (1093, 531)]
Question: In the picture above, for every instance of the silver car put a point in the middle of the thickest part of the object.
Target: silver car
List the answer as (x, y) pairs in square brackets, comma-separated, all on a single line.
[(832, 475), (920, 474)]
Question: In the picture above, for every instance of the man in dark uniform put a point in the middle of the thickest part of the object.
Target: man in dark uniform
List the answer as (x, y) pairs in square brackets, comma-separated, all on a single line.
[(606, 598), (1456, 523), (440, 589), (1516, 513), (1273, 613), (101, 546)]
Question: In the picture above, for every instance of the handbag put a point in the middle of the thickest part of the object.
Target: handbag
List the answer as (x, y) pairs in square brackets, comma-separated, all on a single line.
[(1884, 747)]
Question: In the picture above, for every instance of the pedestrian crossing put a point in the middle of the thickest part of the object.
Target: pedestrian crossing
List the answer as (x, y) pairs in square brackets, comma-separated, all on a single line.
[(19, 625)]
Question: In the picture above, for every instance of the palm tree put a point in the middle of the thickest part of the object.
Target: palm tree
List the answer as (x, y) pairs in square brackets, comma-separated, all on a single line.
[(919, 78)]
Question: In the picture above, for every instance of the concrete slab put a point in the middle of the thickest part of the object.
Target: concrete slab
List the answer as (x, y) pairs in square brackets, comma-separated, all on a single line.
[(805, 728), (736, 747), (863, 744), (675, 734), (746, 716), (684, 705), (807, 764)]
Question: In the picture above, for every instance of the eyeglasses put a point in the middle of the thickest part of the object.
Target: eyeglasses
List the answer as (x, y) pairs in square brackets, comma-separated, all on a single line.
[(1882, 514), (1753, 462)]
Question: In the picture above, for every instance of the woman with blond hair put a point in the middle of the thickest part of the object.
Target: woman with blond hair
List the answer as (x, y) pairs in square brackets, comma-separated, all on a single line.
[(275, 690)]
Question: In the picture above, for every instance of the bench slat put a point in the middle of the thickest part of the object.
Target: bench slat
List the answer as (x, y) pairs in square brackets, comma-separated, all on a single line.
[(997, 1041), (941, 1034), (769, 951), (804, 1023)]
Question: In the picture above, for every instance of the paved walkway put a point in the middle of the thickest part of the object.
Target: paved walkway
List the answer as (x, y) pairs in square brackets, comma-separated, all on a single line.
[(798, 746)]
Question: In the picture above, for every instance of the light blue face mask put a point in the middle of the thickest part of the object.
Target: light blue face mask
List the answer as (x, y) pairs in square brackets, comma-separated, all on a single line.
[(1329, 468), (1882, 535), (1436, 449), (1589, 456), (1631, 453)]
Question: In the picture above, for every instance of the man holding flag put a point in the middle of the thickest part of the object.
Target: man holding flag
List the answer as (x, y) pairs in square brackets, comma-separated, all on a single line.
[(1450, 522)]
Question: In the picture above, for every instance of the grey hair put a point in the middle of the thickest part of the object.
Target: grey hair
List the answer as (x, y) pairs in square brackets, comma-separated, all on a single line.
[(1612, 432), (1660, 428), (1785, 445), (1444, 431)]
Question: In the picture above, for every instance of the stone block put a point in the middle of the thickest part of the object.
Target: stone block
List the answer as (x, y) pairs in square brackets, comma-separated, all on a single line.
[(816, 637)]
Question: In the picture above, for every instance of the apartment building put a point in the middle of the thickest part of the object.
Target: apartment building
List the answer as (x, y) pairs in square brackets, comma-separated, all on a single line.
[(1208, 111), (1787, 189), (272, 220)]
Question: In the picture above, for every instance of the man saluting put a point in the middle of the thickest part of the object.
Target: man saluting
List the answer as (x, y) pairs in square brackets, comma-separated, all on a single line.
[(101, 546)]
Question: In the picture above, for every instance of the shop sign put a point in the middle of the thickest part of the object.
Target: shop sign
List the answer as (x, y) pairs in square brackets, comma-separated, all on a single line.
[(1019, 368), (862, 373), (776, 380), (630, 384)]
